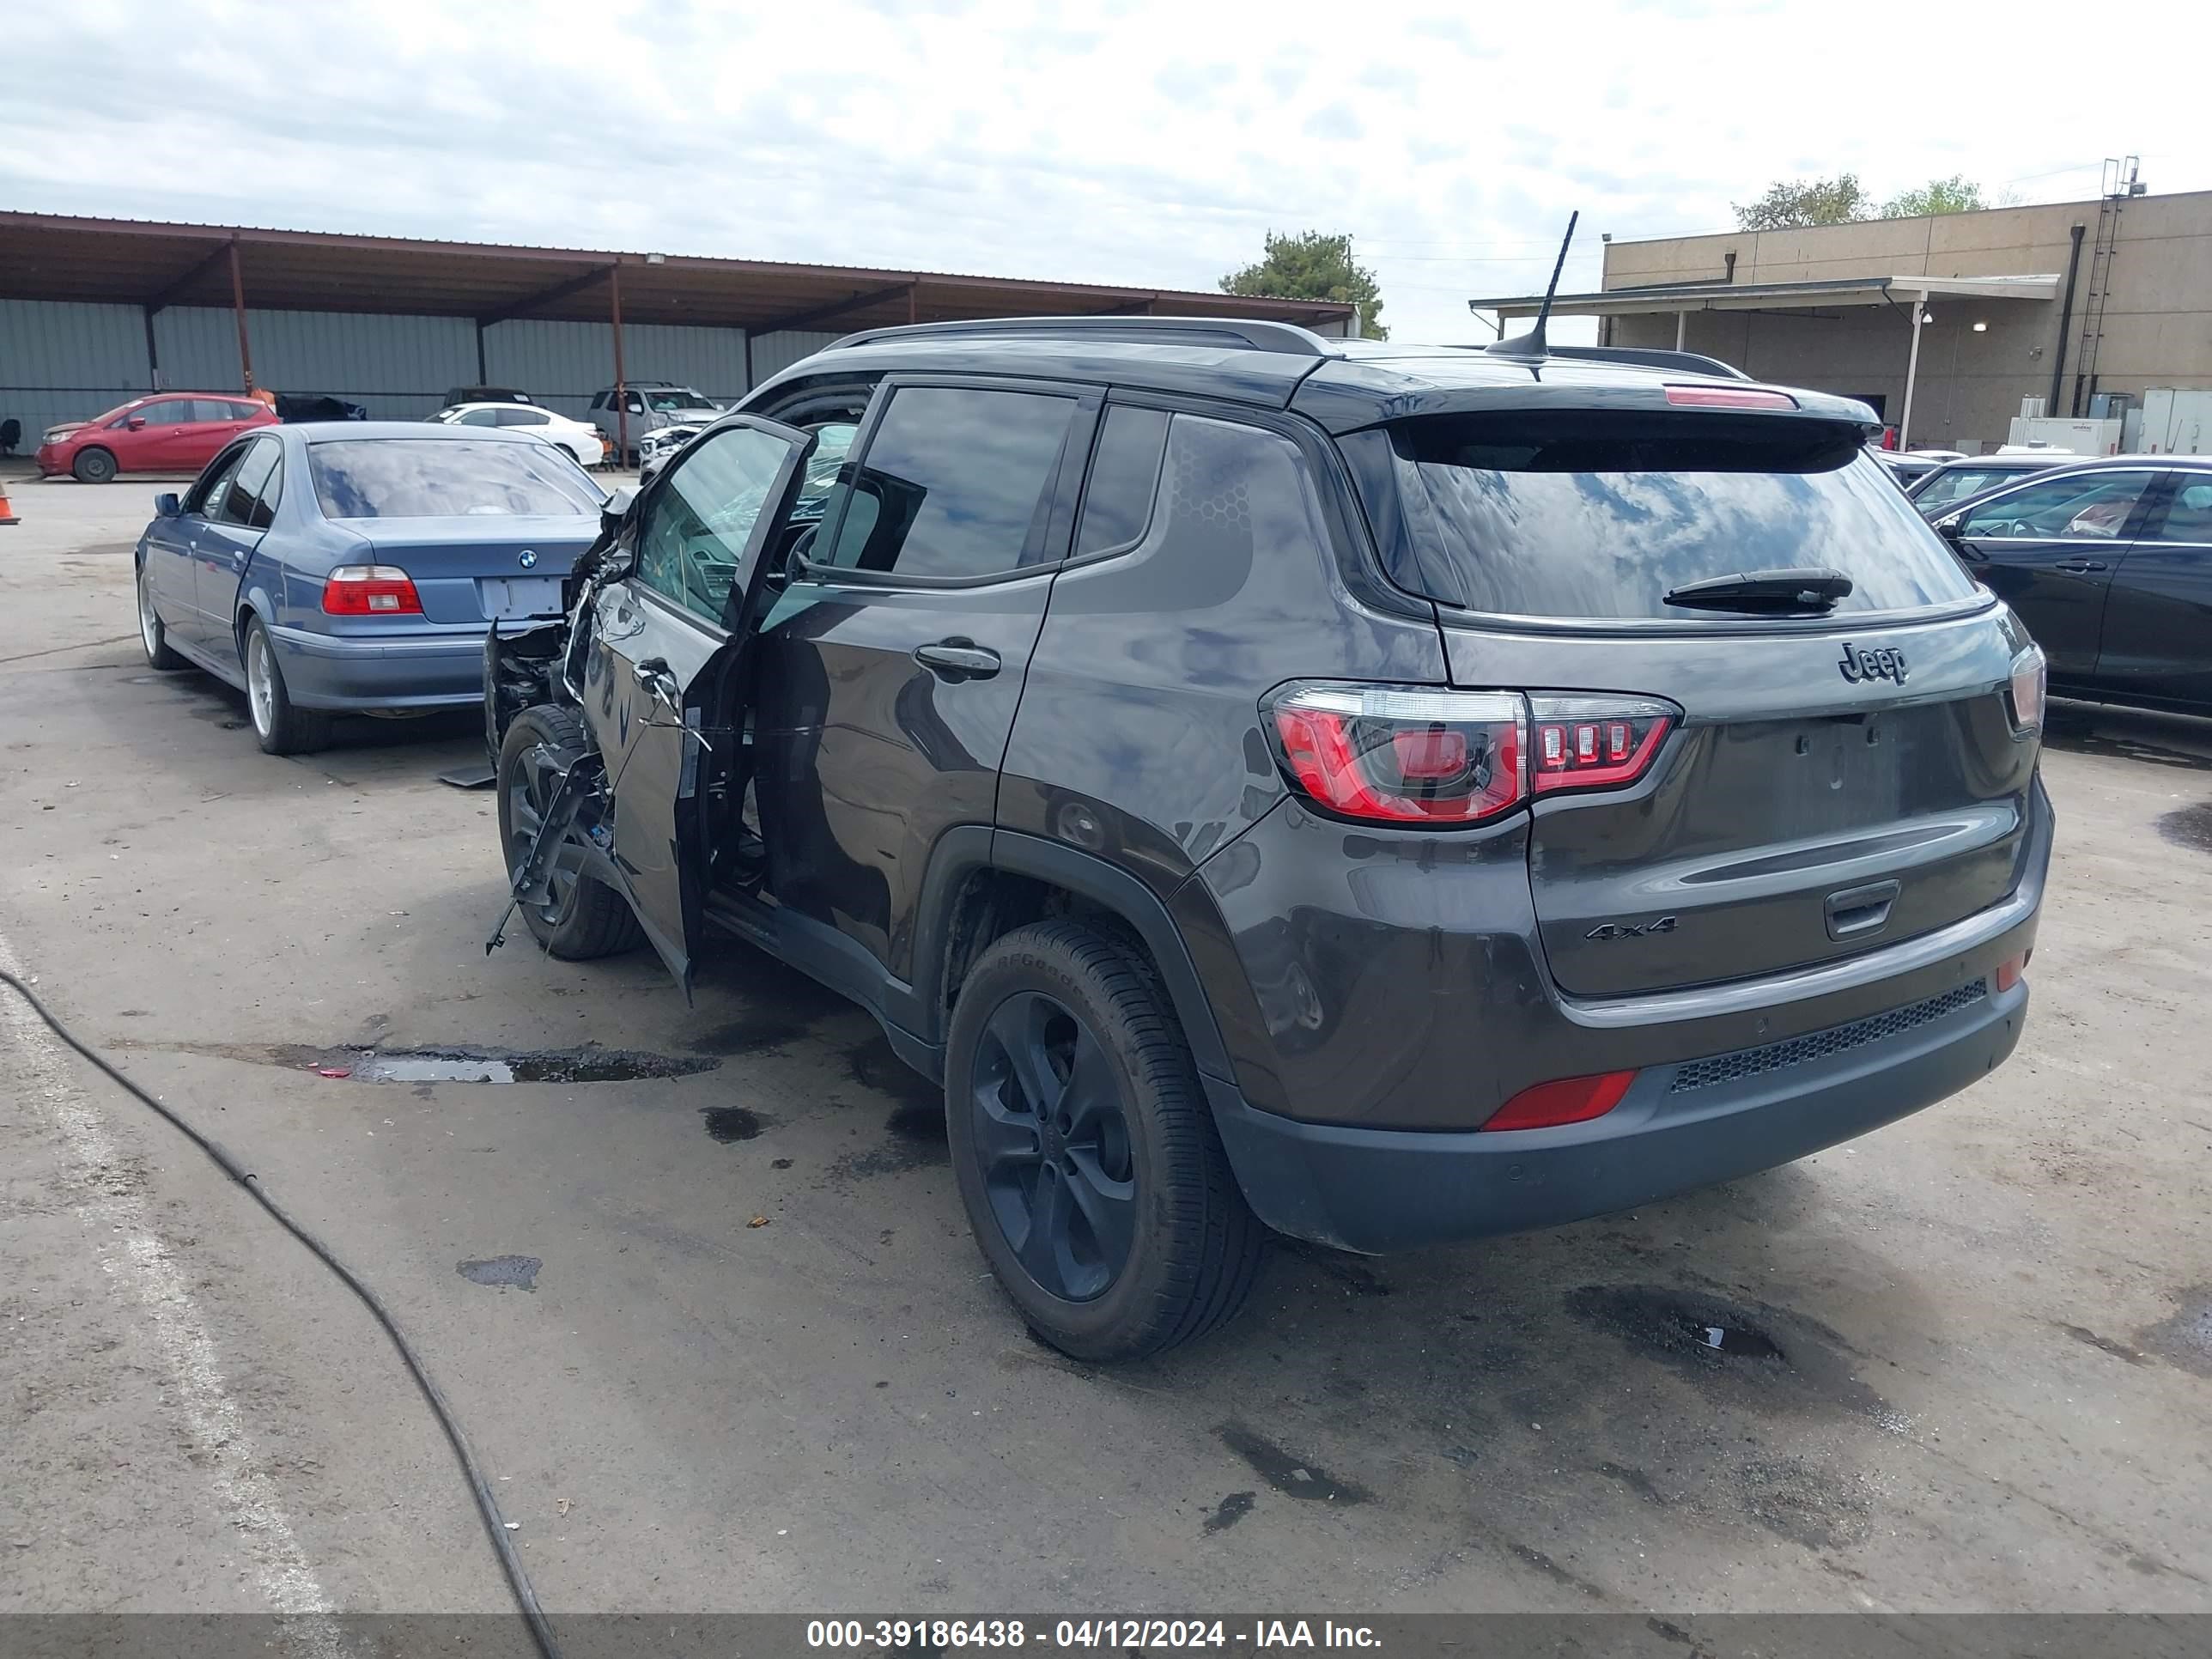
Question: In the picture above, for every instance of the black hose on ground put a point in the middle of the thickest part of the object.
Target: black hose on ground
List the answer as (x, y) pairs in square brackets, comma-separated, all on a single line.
[(502, 1544)]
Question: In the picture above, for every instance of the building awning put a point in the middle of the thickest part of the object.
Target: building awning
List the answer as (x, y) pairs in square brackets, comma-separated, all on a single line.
[(1773, 296)]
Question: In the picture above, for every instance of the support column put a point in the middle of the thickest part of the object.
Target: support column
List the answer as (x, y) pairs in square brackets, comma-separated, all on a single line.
[(913, 309), (153, 351), (1912, 374), (481, 376), (1681, 329), (238, 309), (622, 388)]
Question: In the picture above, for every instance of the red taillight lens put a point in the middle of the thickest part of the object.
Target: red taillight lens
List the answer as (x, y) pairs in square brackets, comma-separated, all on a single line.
[(1595, 743), (370, 590), (2029, 674), (1728, 397), (1566, 1100), (1404, 757), (2011, 971)]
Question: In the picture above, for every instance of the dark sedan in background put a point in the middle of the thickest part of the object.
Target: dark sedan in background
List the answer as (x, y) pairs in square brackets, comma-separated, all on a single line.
[(354, 566), (2109, 563)]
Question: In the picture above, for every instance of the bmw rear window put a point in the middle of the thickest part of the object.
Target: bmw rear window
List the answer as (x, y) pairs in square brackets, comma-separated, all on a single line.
[(446, 479), (1597, 514)]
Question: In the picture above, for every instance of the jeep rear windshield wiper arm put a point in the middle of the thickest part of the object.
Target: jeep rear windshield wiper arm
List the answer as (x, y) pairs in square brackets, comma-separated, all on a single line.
[(1812, 588)]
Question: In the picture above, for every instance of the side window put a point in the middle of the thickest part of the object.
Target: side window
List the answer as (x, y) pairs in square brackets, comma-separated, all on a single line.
[(209, 494), (700, 522), (251, 503), (521, 417), (2090, 504), (247, 411), (633, 404), (170, 411), (1117, 501), (957, 482), (2188, 514), (213, 409), (599, 400), (478, 418)]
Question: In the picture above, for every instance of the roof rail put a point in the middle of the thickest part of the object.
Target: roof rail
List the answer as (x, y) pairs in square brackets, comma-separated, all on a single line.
[(1695, 362), (1248, 334)]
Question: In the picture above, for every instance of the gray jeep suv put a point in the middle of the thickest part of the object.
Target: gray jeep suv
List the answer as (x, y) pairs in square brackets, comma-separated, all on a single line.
[(1382, 794)]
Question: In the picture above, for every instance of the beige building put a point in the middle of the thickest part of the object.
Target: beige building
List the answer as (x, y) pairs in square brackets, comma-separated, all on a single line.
[(2061, 302)]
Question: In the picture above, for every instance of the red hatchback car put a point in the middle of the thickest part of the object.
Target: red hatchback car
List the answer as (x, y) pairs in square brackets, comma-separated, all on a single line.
[(166, 432)]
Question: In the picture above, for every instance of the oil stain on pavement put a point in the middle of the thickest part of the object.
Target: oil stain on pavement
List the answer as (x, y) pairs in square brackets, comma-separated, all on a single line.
[(1294, 1477), (502, 1272)]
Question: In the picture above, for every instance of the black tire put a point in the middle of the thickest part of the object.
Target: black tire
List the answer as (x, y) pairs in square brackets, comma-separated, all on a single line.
[(94, 466), (153, 635), (1193, 1246), (281, 727), (587, 918)]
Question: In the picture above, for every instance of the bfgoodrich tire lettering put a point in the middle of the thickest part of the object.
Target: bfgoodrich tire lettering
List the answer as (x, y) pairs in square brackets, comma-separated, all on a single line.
[(1192, 1246)]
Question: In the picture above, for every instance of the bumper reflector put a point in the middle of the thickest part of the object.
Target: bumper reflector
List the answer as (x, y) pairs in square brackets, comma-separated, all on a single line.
[(1564, 1100)]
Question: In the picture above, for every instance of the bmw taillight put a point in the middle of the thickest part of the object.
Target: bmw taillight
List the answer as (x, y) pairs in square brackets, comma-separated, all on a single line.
[(1448, 759), (370, 590)]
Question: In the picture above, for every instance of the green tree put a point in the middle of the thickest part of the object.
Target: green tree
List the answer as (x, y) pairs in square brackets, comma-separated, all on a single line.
[(1790, 204), (1956, 194), (1313, 266)]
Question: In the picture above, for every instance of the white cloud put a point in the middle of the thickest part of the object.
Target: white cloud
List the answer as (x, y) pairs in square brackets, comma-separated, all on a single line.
[(1134, 143)]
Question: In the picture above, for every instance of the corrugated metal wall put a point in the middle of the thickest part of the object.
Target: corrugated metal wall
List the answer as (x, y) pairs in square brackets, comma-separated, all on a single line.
[(65, 362), (562, 364)]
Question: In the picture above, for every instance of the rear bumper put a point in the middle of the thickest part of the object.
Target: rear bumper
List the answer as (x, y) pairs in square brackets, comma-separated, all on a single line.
[(441, 670), (1681, 1127)]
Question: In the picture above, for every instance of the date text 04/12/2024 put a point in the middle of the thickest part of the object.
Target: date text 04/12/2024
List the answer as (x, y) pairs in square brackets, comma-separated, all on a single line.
[(1107, 1635)]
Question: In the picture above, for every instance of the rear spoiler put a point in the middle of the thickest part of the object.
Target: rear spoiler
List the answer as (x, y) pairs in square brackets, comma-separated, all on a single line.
[(1691, 363)]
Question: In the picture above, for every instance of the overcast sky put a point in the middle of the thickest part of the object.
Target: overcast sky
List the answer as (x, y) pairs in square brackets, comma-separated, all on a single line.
[(1117, 143)]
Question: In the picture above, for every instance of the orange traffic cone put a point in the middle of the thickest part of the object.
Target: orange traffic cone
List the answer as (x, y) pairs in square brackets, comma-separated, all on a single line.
[(6, 513)]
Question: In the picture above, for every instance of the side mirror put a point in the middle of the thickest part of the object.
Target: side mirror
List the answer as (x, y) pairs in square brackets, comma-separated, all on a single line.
[(167, 506), (136, 423)]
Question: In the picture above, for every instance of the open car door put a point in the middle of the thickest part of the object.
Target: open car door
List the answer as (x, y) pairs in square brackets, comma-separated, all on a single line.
[(664, 639)]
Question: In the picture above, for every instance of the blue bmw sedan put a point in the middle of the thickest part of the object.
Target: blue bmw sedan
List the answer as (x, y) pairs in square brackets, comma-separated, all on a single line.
[(354, 566)]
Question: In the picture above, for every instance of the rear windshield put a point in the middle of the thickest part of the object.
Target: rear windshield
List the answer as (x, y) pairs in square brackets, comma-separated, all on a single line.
[(441, 478), (1597, 514)]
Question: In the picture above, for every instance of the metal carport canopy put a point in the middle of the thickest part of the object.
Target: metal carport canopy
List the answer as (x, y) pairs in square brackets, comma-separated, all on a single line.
[(143, 262)]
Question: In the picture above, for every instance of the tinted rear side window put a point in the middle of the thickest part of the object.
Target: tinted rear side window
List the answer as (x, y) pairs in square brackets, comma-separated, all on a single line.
[(956, 483), (437, 478), (1598, 513)]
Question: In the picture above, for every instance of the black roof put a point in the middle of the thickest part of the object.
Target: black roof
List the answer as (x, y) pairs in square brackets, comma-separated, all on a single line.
[(1342, 384)]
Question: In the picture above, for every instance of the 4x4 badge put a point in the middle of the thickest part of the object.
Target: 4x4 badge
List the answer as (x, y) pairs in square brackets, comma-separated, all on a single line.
[(1631, 930), (1886, 664)]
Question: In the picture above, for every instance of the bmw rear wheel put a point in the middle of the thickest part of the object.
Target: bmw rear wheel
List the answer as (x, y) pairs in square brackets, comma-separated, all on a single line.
[(282, 728)]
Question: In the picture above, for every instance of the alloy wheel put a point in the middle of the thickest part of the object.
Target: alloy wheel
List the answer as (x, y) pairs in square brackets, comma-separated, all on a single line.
[(1058, 1167), (260, 682), (528, 793)]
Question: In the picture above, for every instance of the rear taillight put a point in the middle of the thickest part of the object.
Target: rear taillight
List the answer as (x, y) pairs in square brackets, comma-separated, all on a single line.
[(1392, 755), (1565, 1100), (2028, 671), (1728, 397), (370, 590), (1404, 757), (1595, 743), (2011, 971)]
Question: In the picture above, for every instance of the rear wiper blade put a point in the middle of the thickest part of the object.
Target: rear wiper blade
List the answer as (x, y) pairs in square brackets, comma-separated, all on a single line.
[(1812, 587)]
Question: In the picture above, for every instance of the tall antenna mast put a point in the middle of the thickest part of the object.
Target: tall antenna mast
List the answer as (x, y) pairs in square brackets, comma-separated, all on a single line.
[(1530, 347)]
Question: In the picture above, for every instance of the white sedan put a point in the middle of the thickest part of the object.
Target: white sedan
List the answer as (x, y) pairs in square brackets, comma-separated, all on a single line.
[(581, 440)]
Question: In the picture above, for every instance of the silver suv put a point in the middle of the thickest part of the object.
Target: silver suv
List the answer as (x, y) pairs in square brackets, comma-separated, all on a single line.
[(626, 413)]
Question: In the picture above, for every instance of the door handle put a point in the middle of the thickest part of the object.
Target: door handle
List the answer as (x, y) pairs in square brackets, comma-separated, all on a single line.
[(2078, 567), (1859, 909), (958, 659), (653, 674)]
